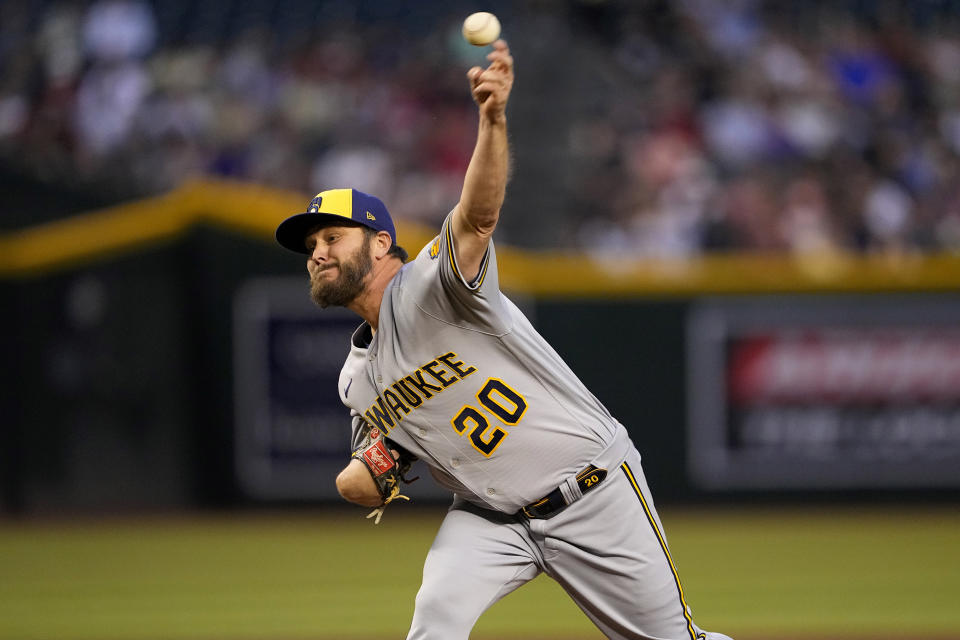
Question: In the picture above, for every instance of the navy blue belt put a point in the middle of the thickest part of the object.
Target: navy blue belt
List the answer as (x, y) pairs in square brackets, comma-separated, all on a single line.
[(554, 502)]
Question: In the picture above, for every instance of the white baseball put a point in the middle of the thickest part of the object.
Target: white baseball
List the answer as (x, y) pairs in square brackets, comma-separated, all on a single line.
[(481, 28)]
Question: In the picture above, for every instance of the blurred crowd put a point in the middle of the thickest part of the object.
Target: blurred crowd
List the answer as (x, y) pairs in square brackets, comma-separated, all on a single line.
[(97, 94), (698, 125), (792, 126)]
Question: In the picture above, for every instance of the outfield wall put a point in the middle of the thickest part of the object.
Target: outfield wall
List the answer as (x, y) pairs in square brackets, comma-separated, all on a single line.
[(133, 337)]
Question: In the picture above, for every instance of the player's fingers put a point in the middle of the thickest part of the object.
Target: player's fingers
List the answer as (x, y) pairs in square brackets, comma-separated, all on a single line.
[(490, 94), (500, 53), (487, 75), (489, 85), (494, 74), (481, 95), (473, 73), (503, 64)]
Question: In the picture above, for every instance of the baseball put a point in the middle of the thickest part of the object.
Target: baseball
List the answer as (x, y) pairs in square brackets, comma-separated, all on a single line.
[(481, 28)]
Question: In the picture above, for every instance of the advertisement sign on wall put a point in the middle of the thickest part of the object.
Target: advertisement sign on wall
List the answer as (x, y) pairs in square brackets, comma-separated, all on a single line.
[(811, 393), (292, 432)]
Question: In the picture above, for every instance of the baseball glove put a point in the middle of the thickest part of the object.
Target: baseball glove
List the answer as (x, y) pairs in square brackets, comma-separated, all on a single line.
[(387, 463)]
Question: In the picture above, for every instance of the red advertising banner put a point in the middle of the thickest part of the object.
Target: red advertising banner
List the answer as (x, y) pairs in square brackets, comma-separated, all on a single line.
[(855, 365)]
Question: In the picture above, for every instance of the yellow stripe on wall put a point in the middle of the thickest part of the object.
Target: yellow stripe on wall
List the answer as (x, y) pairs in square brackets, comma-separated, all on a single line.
[(557, 274), (235, 206), (256, 211)]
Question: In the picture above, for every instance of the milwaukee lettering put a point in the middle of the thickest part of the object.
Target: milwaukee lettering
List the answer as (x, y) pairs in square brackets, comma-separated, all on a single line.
[(397, 400)]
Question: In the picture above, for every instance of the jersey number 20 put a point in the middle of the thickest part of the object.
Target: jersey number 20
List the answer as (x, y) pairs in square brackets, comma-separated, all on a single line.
[(501, 401)]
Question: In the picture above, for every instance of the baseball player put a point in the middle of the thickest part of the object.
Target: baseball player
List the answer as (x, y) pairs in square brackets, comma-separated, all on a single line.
[(445, 369)]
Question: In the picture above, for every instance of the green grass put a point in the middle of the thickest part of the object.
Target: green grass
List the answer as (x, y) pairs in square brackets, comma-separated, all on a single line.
[(831, 571), (748, 573)]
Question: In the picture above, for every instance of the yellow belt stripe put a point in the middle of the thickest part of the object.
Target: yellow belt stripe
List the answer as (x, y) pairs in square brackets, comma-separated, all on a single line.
[(663, 545)]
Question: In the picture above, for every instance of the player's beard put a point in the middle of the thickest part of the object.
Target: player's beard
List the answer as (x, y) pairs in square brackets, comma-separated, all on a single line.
[(342, 290)]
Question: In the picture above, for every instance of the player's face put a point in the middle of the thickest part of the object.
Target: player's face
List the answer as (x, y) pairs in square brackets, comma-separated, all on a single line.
[(339, 264)]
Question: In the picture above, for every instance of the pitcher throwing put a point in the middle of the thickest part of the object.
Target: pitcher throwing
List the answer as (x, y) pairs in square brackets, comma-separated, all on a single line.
[(445, 369)]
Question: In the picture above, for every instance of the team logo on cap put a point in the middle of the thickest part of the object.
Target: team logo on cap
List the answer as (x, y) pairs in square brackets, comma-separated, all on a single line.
[(315, 205)]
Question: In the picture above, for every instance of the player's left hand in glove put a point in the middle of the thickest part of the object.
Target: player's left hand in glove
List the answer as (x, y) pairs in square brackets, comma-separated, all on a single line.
[(387, 463)]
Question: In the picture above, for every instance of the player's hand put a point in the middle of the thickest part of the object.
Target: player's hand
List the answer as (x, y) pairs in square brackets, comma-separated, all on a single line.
[(491, 86)]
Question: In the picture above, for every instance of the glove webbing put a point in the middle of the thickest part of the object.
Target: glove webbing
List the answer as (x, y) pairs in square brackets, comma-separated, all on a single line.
[(394, 495)]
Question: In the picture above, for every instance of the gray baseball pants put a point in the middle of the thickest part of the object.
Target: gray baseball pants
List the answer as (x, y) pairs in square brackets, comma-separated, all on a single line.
[(607, 550)]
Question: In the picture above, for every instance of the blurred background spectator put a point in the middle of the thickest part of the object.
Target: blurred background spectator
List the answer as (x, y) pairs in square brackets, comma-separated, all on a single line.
[(651, 128)]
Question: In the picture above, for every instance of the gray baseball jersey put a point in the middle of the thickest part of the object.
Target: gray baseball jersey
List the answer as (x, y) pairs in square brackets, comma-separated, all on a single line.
[(458, 376)]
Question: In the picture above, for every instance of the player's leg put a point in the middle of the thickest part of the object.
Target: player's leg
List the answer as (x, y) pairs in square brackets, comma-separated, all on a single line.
[(475, 560), (609, 552)]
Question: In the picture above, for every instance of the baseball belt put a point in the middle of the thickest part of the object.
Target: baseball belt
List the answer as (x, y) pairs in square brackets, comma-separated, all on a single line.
[(554, 502)]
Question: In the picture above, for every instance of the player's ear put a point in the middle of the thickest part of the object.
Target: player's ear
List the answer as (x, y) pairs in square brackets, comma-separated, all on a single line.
[(382, 244)]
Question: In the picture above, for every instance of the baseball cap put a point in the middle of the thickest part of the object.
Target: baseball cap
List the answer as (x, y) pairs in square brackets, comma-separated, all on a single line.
[(334, 206)]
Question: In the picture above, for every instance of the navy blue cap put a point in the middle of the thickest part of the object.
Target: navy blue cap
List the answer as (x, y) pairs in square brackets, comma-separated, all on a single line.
[(333, 207)]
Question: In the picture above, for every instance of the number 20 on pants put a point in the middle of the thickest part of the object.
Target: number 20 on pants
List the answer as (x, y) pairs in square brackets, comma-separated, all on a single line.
[(499, 400)]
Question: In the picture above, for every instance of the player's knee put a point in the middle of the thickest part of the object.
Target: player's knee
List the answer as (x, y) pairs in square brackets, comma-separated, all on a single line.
[(438, 616)]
